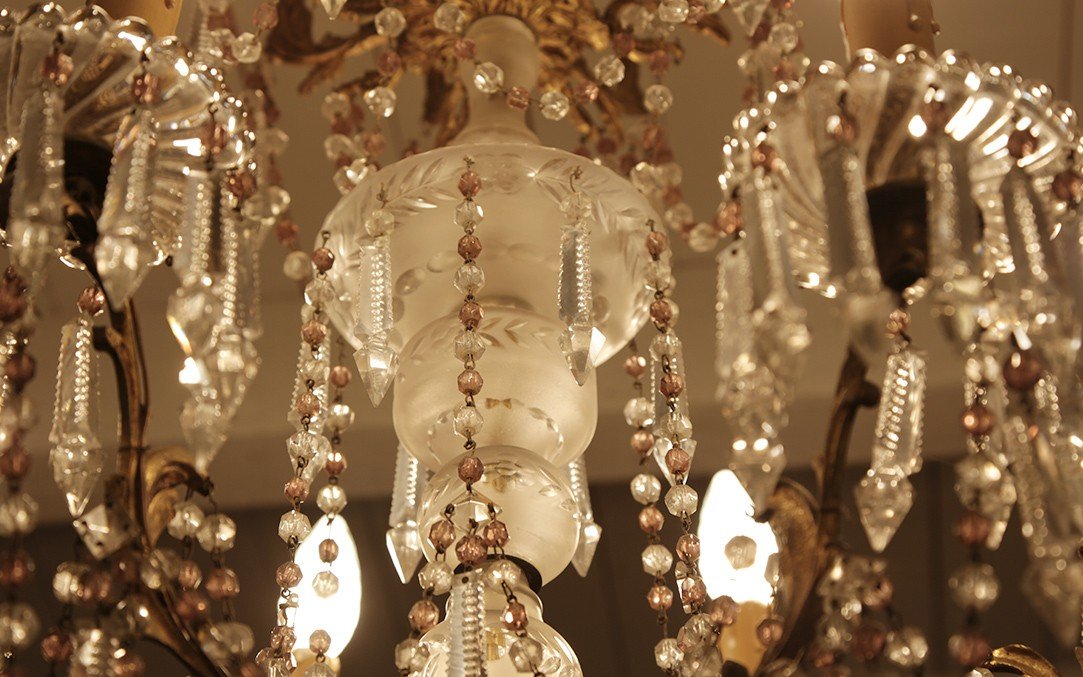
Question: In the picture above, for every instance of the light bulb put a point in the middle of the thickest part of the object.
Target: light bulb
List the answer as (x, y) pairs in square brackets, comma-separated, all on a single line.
[(336, 613), (727, 513)]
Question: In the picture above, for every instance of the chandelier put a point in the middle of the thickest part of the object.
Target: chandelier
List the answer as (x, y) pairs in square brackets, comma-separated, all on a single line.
[(483, 280)]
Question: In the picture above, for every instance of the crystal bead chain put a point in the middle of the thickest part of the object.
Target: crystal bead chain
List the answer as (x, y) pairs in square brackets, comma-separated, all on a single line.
[(331, 499), (973, 585), (646, 489), (18, 510), (309, 452)]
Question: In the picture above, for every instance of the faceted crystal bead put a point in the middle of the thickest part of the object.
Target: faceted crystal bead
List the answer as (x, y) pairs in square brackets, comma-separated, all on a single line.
[(488, 77), (449, 18), (784, 36), (186, 521), (609, 71), (638, 412), (67, 581), (527, 654), (218, 533), (657, 560), (741, 552), (381, 101), (159, 568), (225, 640), (974, 585), (18, 514), (667, 654), (883, 499), (19, 625), (437, 577), (246, 48), (331, 499), (467, 421), (646, 489), (340, 417), (469, 345), (379, 222), (554, 105), (294, 525), (682, 499), (468, 213), (469, 278), (673, 11), (906, 647), (657, 99), (390, 22), (103, 531), (310, 449), (500, 573), (325, 583)]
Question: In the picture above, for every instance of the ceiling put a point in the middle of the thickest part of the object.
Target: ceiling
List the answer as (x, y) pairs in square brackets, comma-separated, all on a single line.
[(1036, 37)]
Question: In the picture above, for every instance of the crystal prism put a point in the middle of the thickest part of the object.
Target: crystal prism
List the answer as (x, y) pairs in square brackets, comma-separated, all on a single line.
[(75, 415), (590, 534), (76, 470), (901, 418), (36, 227), (758, 464), (883, 498), (575, 291), (125, 249), (103, 530), (204, 428), (332, 7), (1054, 587), (409, 483), (377, 363), (193, 312), (404, 546), (749, 13), (377, 360), (466, 613)]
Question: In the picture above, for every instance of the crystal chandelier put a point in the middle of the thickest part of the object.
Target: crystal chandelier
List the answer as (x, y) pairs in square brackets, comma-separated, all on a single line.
[(483, 280)]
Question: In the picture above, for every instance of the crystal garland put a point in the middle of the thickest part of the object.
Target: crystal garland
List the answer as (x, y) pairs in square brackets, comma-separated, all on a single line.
[(18, 510), (309, 451)]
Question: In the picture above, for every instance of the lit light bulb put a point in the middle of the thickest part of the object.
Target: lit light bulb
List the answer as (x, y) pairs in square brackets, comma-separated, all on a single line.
[(339, 612), (726, 513), (193, 373)]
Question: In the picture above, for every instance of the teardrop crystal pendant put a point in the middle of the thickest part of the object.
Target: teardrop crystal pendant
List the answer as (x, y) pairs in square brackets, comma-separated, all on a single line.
[(76, 457), (758, 463), (125, 249), (884, 497), (866, 302), (590, 533), (575, 293), (36, 226), (377, 361), (332, 7), (403, 539)]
